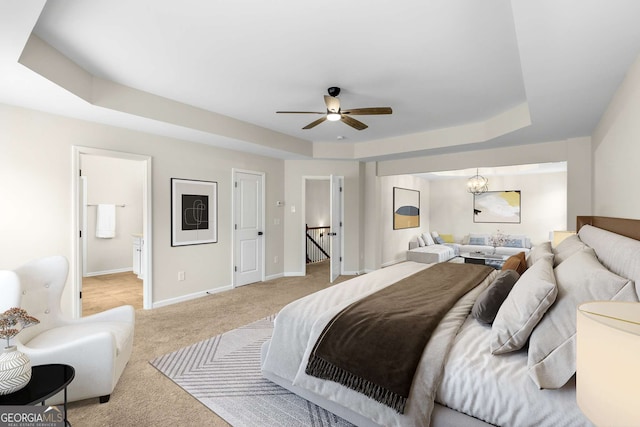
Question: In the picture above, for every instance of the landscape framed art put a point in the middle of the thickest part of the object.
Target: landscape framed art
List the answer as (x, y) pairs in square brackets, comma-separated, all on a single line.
[(497, 206)]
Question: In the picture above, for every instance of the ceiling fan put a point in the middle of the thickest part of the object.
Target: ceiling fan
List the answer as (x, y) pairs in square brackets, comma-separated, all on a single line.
[(334, 113)]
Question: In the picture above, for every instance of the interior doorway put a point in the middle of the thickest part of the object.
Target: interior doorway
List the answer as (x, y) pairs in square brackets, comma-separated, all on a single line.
[(324, 228), (112, 255)]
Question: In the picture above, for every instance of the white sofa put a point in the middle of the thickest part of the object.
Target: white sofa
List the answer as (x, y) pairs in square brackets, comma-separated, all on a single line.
[(430, 248), (513, 244)]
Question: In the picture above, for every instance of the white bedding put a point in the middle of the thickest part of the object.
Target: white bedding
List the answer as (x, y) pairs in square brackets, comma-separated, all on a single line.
[(299, 324), (498, 390)]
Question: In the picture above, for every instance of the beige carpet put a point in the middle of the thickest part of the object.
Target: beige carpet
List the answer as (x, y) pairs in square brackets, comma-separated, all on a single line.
[(144, 396)]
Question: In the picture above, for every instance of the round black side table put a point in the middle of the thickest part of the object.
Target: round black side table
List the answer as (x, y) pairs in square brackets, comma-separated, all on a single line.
[(46, 381)]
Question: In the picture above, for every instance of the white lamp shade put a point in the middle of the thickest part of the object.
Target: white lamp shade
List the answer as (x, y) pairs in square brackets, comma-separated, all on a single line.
[(559, 236), (608, 362)]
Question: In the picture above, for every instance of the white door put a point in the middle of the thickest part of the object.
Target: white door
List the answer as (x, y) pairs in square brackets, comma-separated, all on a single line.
[(248, 228), (336, 227)]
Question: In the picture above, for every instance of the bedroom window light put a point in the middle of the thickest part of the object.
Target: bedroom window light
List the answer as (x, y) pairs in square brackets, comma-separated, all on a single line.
[(477, 184), (607, 368)]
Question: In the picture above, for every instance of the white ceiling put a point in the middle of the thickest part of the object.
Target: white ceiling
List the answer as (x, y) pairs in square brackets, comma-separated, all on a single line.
[(440, 64)]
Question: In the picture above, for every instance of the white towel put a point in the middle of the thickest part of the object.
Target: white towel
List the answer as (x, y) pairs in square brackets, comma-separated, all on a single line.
[(106, 221)]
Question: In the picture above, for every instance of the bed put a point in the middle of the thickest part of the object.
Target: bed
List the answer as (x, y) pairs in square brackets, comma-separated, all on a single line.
[(516, 371)]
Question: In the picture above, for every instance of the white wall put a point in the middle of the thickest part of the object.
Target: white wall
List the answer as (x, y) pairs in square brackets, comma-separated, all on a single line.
[(396, 242), (616, 143), (317, 203), (35, 197), (543, 206), (116, 181)]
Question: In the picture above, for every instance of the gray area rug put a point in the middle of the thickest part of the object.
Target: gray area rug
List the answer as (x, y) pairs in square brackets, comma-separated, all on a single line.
[(223, 373)]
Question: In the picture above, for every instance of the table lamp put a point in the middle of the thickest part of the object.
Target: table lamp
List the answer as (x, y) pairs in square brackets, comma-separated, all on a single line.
[(608, 362)]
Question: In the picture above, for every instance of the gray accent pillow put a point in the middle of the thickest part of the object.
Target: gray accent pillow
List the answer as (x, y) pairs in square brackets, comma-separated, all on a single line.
[(530, 298), (489, 301), (552, 348)]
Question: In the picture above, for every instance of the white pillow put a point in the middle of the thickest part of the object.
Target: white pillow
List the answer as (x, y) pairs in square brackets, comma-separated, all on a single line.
[(530, 298), (428, 240), (566, 248), (552, 347), (421, 242), (542, 250)]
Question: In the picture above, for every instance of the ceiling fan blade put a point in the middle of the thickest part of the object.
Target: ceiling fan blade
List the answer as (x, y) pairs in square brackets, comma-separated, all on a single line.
[(356, 124), (333, 103), (315, 123), (368, 111), (300, 112)]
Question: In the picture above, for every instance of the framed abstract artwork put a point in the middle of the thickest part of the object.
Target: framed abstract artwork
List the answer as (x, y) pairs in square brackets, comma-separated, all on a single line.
[(497, 206), (406, 208), (194, 208)]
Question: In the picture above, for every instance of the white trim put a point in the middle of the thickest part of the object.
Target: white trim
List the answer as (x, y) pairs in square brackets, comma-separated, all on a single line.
[(102, 273), (147, 226), (295, 274), (190, 297), (274, 276), (265, 236)]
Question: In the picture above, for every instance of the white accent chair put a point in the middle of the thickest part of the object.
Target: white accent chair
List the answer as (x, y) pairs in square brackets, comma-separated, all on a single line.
[(97, 346)]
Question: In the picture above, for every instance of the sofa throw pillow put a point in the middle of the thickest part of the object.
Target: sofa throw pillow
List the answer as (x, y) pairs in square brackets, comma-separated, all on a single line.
[(479, 239), (489, 301), (448, 238), (517, 262), (552, 348), (542, 250), (428, 240), (421, 241), (566, 248), (515, 242), (439, 240), (528, 301)]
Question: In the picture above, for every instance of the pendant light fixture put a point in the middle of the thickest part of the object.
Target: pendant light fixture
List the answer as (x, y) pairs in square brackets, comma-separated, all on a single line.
[(477, 184)]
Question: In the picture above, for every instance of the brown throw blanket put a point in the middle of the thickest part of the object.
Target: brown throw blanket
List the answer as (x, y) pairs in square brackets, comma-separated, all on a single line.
[(374, 345)]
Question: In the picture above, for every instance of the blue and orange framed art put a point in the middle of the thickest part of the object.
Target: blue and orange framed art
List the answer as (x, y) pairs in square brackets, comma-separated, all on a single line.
[(406, 208)]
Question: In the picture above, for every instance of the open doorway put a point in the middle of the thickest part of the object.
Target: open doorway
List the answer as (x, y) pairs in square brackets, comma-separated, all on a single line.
[(111, 259), (324, 228)]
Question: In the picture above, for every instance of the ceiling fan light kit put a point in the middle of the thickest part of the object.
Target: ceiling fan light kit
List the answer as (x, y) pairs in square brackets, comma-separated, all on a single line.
[(334, 113)]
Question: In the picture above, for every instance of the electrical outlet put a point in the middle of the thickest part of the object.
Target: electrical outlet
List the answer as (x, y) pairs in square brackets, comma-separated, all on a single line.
[(180, 275)]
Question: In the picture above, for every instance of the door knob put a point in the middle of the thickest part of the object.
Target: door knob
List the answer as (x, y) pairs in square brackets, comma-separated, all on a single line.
[(260, 233)]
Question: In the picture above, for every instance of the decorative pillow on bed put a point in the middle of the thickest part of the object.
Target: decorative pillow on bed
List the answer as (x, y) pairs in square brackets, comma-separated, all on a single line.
[(428, 240), (552, 348), (530, 298), (517, 262), (566, 248), (489, 301), (542, 250)]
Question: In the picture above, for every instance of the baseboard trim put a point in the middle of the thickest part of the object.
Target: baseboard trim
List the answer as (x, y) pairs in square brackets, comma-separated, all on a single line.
[(274, 276), (388, 263), (102, 273), (192, 296), (293, 273)]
